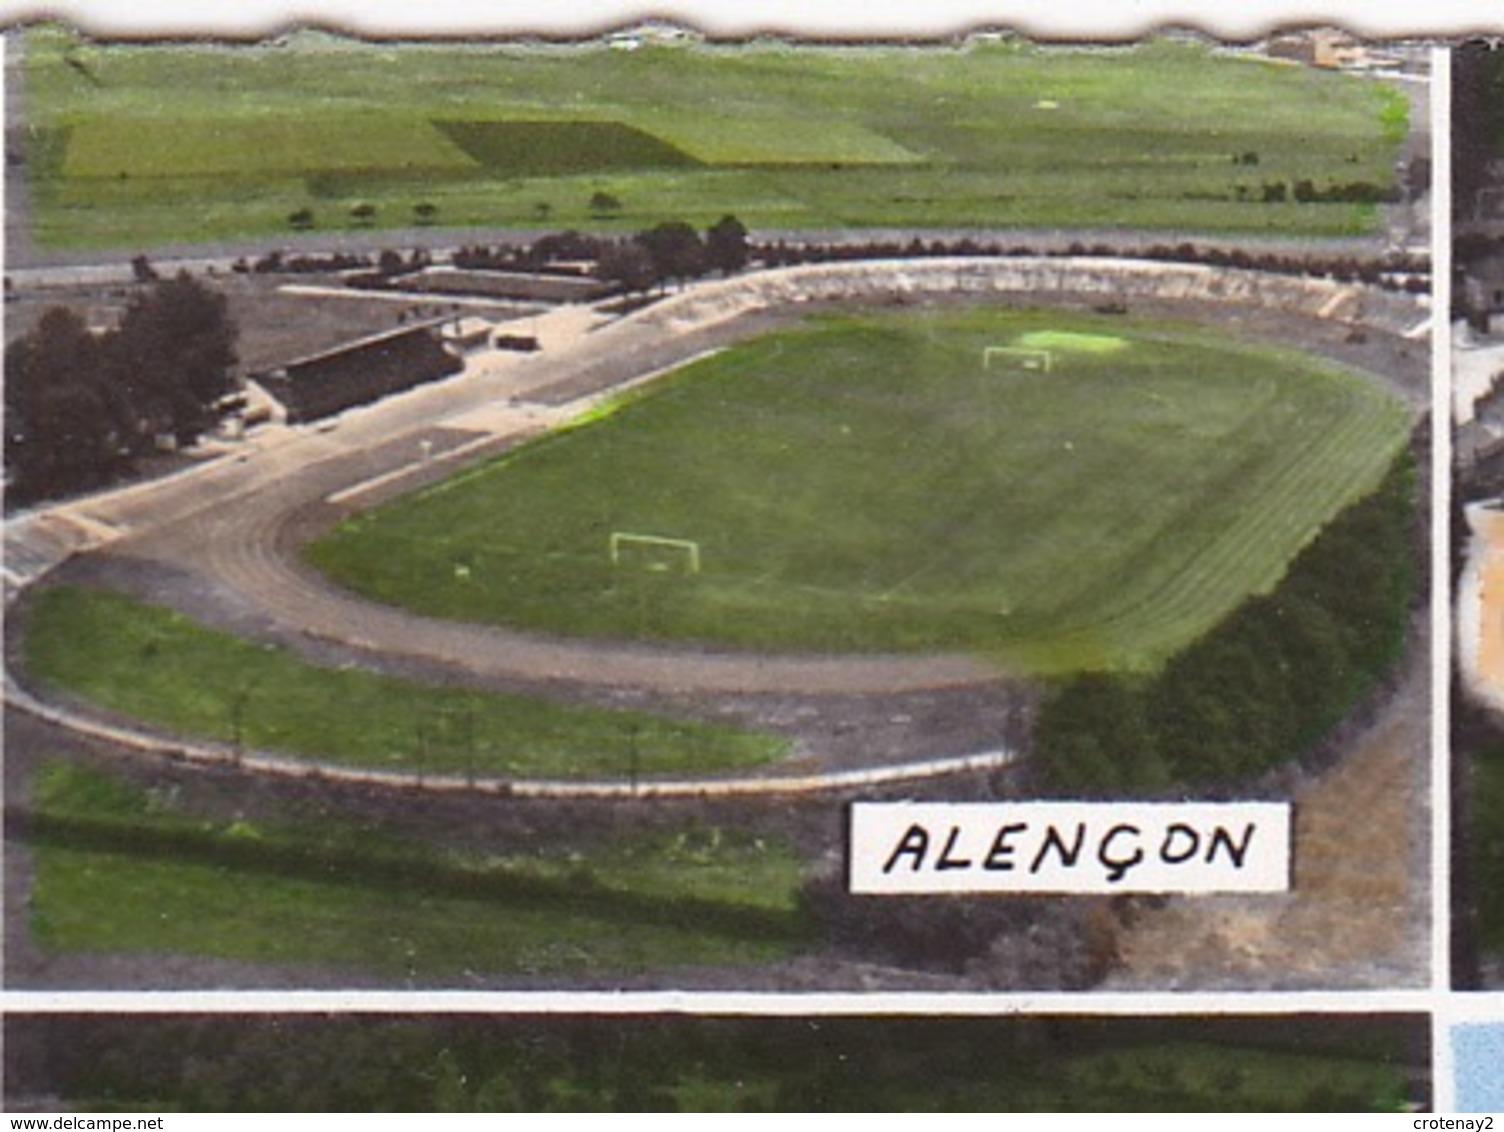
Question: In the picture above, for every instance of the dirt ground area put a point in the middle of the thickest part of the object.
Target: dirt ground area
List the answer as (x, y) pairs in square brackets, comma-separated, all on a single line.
[(1358, 912)]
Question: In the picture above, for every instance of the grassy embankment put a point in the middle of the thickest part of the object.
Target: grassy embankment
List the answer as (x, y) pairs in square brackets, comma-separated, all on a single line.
[(158, 666)]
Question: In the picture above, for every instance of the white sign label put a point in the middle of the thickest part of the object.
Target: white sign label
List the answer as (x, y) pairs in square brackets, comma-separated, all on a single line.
[(914, 848)]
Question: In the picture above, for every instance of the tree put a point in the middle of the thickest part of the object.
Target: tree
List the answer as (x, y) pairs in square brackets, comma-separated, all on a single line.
[(627, 264), (603, 203), (64, 432), (172, 357), (425, 213), (570, 245), (363, 214), (80, 406), (675, 249), (301, 220), (726, 245)]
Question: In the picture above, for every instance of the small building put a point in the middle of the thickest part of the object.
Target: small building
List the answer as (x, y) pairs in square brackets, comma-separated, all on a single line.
[(361, 372)]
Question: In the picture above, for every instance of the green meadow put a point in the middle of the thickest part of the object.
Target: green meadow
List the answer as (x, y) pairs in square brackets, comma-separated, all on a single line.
[(710, 1063), (122, 138), (865, 483), (126, 870)]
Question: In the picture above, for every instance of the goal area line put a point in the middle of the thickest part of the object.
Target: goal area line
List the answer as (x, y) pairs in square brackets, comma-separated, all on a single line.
[(687, 550)]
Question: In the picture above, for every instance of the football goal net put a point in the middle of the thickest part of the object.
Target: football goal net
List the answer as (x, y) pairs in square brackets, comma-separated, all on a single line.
[(1016, 358), (654, 553)]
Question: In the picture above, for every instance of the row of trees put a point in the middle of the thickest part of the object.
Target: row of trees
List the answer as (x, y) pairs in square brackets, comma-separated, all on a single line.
[(276, 263), (363, 215), (1308, 192), (674, 252), (671, 252), (81, 406), (425, 214)]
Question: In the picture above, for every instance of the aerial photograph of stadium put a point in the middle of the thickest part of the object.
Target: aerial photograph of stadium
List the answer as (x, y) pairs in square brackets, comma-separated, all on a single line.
[(485, 514)]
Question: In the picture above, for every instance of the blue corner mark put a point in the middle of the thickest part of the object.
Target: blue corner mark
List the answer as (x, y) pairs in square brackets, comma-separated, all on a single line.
[(1478, 1053)]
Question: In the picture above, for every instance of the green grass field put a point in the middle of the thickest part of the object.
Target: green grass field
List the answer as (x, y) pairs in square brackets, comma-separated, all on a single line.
[(123, 870), (862, 483), (1188, 1075), (155, 665), (123, 137), (709, 1063)]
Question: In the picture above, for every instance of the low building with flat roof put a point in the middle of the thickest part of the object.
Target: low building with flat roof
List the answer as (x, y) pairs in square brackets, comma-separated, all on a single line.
[(360, 372)]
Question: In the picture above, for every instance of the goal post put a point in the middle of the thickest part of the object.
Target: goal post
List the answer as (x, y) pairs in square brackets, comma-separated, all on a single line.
[(1017, 357), (655, 552)]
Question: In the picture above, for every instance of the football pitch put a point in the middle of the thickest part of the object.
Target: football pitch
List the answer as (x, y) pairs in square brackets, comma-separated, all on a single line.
[(865, 483), (132, 145)]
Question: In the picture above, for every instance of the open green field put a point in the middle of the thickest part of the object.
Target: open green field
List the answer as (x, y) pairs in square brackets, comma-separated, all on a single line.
[(710, 1063), (864, 483), (120, 869), (123, 138), (155, 665)]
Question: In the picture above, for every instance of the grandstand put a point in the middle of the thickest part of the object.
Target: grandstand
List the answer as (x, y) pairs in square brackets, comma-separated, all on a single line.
[(357, 373)]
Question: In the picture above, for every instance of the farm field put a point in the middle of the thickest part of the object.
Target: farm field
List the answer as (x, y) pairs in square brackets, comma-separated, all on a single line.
[(126, 870), (134, 145), (155, 665), (867, 483)]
